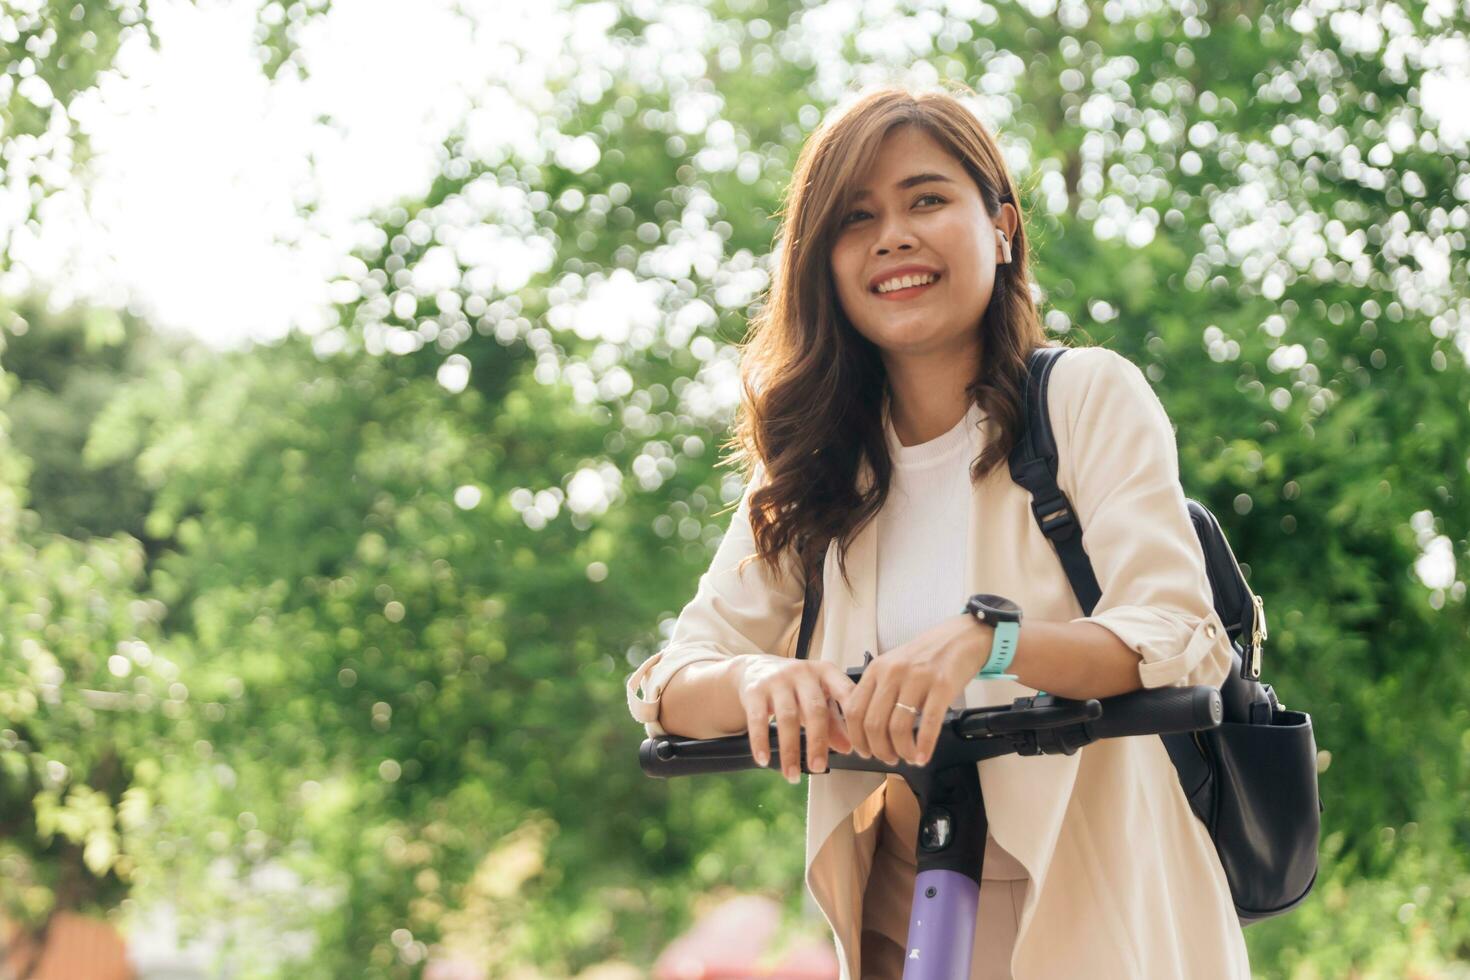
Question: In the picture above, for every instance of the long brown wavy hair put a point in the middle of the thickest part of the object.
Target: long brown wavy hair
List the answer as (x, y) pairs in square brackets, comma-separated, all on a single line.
[(813, 386)]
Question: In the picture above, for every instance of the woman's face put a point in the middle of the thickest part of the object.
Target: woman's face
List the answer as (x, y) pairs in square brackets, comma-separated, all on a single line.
[(929, 228)]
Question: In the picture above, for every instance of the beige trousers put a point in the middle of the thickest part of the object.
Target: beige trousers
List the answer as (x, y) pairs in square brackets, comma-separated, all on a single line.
[(888, 898)]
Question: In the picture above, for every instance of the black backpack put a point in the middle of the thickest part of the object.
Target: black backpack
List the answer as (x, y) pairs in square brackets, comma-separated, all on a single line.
[(1253, 779)]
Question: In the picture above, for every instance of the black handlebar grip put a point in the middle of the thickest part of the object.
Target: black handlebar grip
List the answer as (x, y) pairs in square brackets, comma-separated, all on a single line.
[(664, 756), (1159, 710)]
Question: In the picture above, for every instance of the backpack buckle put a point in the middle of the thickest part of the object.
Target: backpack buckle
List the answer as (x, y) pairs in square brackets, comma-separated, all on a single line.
[(1055, 517)]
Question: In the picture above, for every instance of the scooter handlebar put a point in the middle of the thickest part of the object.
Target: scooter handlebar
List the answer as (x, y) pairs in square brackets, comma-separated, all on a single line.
[(1153, 711)]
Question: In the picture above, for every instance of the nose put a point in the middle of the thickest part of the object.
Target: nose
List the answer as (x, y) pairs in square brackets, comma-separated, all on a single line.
[(893, 235), (904, 247)]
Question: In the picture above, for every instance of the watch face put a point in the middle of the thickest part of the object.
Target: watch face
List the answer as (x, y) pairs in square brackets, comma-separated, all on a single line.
[(997, 604)]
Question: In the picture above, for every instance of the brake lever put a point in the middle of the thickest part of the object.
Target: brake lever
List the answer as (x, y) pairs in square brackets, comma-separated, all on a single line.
[(855, 674), (1024, 714)]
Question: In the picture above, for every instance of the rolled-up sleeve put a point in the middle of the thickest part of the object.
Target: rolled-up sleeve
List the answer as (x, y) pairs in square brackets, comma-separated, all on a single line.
[(1119, 466), (734, 611)]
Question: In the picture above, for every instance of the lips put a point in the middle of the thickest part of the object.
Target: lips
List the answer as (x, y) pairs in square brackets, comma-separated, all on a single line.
[(907, 291), (899, 272)]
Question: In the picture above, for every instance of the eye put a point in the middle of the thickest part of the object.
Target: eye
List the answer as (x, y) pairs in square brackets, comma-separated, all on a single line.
[(922, 197)]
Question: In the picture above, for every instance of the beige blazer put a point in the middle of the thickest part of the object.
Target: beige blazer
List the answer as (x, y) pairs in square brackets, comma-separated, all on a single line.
[(1124, 879)]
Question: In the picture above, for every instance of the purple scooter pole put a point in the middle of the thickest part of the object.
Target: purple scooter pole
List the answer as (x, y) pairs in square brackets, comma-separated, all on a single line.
[(941, 926), (951, 853)]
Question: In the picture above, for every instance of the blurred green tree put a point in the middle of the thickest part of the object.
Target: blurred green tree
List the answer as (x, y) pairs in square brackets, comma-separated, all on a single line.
[(66, 366), (84, 699)]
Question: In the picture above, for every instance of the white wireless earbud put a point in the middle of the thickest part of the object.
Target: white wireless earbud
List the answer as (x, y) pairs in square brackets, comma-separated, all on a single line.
[(1005, 244)]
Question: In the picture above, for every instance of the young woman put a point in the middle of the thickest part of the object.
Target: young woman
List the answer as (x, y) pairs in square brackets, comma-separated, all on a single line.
[(882, 386)]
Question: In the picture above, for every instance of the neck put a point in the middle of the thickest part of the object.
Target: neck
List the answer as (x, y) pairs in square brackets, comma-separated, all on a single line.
[(925, 404)]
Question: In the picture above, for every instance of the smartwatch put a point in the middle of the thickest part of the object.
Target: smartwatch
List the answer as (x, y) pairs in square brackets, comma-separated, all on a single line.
[(1004, 616)]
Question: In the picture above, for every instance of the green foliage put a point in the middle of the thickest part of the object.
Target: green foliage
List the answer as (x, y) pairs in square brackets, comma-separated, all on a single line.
[(66, 367), (84, 698)]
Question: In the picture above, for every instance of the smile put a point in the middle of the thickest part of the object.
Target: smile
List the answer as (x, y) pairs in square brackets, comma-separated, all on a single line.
[(908, 292)]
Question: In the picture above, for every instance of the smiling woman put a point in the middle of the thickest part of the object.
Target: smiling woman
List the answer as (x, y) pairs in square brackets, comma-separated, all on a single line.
[(882, 387)]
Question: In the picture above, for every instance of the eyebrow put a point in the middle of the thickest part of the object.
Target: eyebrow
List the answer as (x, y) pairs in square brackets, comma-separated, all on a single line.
[(908, 182)]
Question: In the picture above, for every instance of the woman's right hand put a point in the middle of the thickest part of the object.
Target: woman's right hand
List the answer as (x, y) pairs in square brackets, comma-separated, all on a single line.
[(801, 694)]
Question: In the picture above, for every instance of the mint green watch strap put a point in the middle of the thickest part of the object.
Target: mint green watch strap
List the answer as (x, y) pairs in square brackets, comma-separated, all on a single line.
[(1002, 652)]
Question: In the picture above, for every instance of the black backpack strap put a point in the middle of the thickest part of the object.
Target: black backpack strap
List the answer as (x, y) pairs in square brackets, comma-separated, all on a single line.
[(1033, 463), (1034, 466), (809, 606), (810, 603)]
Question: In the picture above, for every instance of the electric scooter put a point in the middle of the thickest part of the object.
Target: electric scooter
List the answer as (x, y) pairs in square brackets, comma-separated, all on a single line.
[(951, 845)]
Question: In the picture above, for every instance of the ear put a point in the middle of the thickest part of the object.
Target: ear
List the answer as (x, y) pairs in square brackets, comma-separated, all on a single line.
[(1006, 223)]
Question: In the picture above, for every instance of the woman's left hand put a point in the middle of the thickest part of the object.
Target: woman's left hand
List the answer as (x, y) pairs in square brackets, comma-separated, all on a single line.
[(927, 672)]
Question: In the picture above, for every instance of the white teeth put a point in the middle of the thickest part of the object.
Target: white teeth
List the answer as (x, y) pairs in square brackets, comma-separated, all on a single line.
[(905, 282)]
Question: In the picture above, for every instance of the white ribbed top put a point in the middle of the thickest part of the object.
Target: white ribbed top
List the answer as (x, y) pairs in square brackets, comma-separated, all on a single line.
[(923, 530)]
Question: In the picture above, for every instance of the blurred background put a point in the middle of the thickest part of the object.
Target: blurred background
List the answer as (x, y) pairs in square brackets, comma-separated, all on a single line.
[(366, 370)]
